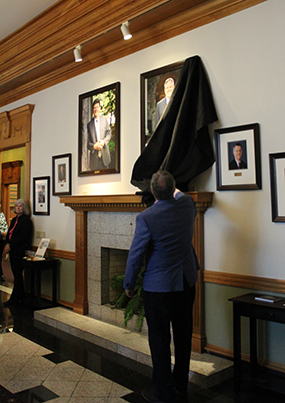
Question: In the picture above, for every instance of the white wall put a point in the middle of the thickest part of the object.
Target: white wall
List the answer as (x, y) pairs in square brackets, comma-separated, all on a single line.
[(244, 56)]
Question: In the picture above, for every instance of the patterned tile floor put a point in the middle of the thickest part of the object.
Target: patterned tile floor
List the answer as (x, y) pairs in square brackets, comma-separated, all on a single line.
[(39, 364)]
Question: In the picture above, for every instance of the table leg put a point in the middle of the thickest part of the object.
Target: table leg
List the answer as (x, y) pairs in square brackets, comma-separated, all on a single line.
[(237, 348), (253, 342), (39, 281), (54, 286), (32, 282)]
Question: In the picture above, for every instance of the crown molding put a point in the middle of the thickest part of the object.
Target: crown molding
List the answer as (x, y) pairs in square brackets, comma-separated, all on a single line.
[(40, 54)]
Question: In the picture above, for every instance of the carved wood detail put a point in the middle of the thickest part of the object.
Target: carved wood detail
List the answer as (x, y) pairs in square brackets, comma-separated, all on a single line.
[(15, 127), (11, 172), (132, 203)]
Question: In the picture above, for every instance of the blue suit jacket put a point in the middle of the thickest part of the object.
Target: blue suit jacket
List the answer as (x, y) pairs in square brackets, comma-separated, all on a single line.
[(163, 243)]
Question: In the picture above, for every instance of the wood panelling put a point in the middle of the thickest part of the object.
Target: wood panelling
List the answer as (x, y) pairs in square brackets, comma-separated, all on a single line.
[(245, 281), (60, 254), (40, 54)]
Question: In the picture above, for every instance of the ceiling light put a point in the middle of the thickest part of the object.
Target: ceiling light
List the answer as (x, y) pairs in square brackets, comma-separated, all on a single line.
[(77, 54), (125, 30)]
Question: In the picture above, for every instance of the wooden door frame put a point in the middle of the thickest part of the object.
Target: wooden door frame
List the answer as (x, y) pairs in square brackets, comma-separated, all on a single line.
[(15, 132), (10, 175)]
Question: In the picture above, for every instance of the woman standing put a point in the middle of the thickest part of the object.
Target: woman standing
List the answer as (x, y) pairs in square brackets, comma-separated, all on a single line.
[(3, 232), (18, 240)]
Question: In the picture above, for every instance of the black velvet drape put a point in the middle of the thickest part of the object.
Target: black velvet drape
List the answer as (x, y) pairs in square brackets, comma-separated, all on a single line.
[(180, 143)]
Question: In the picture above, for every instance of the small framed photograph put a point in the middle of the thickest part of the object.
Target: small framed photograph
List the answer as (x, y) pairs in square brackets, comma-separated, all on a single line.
[(61, 174), (277, 180), (99, 131), (156, 89), (238, 158), (41, 195)]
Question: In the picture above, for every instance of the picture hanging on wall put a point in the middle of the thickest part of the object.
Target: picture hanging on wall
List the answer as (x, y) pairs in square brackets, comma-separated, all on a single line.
[(99, 131), (277, 180), (238, 158), (41, 195), (61, 175), (156, 89)]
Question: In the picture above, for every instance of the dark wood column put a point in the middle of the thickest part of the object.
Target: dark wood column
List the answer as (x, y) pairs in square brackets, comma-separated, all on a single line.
[(202, 201), (132, 203), (80, 304)]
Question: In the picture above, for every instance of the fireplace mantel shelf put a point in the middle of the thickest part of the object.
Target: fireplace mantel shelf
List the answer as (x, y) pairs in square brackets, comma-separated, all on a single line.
[(126, 202)]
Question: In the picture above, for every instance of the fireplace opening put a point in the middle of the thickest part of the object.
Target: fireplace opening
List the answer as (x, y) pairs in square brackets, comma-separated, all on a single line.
[(113, 264)]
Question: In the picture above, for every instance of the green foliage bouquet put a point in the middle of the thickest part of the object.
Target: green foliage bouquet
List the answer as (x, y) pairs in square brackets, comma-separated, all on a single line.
[(131, 306)]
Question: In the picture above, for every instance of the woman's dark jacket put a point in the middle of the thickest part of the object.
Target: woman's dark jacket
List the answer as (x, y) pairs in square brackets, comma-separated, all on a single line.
[(21, 238)]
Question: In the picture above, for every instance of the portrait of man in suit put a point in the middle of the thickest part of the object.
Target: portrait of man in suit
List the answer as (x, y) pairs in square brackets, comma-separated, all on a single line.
[(41, 194), (161, 105), (237, 162), (98, 137), (61, 173)]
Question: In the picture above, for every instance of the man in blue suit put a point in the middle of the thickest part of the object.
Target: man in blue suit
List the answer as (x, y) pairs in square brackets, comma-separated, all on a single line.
[(99, 135), (163, 243)]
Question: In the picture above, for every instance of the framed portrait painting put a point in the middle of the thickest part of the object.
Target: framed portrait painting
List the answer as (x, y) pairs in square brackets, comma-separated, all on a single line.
[(99, 131), (156, 89), (238, 158), (41, 195), (61, 175), (277, 181)]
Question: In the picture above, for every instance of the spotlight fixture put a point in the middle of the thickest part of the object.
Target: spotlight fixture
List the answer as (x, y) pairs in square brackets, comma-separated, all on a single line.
[(125, 30), (77, 54)]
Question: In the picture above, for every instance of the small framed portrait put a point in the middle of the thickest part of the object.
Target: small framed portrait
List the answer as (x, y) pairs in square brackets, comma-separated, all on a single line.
[(277, 181), (61, 174), (238, 158), (156, 89), (99, 131), (41, 195)]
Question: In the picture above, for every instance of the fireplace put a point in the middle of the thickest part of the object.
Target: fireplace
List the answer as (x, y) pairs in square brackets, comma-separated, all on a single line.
[(113, 263), (109, 222)]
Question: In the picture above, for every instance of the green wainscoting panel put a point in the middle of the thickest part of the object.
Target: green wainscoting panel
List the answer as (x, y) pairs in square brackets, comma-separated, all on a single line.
[(66, 281)]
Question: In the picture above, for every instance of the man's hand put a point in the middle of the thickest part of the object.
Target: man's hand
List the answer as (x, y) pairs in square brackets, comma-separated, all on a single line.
[(130, 293), (6, 249), (175, 192), (99, 145)]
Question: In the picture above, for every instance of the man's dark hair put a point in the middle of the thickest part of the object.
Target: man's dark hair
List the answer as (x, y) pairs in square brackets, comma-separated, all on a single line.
[(162, 185), (237, 144), (96, 101)]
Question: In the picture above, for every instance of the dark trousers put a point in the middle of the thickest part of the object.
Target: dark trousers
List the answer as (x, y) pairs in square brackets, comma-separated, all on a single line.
[(2, 245), (161, 309), (17, 267)]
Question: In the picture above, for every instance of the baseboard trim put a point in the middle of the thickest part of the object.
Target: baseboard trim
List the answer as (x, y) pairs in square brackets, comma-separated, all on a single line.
[(61, 302), (245, 357)]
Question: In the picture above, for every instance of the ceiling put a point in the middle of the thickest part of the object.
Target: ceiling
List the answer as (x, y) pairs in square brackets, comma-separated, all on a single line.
[(14, 14), (39, 54)]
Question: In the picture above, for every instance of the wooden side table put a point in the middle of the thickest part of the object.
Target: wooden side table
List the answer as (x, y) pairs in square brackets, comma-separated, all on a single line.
[(36, 267), (246, 305)]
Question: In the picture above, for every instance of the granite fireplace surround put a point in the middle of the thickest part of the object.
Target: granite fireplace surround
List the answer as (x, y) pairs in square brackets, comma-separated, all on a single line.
[(108, 222)]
